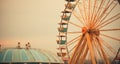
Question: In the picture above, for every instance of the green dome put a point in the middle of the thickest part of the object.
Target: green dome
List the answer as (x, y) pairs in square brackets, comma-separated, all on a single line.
[(28, 56)]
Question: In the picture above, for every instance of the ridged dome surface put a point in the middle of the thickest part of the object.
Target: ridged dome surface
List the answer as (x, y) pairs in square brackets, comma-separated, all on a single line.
[(15, 55)]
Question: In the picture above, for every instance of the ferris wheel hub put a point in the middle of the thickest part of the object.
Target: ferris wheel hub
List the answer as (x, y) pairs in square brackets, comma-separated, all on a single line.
[(91, 31), (84, 30)]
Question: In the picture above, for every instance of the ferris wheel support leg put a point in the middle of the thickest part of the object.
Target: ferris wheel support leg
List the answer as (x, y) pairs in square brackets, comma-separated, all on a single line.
[(103, 53), (90, 48), (72, 59), (80, 52), (82, 59)]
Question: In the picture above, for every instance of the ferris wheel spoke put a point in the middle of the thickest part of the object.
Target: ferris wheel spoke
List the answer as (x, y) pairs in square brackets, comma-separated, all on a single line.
[(80, 51), (83, 18), (107, 14), (90, 48), (94, 9), (73, 42), (73, 39), (75, 24), (72, 60), (110, 37), (89, 11), (100, 7), (108, 6), (117, 29), (103, 53), (98, 52), (98, 48), (98, 11), (84, 10), (105, 10), (82, 58), (105, 48), (78, 18), (76, 32), (109, 21), (72, 48), (108, 46)]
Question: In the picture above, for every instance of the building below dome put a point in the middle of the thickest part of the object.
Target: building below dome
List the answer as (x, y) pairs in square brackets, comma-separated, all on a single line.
[(28, 56)]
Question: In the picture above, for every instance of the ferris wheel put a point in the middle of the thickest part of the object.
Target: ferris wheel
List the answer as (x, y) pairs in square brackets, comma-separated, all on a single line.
[(89, 31)]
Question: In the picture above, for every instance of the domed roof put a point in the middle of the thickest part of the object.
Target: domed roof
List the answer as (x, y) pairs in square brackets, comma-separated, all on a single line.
[(15, 55)]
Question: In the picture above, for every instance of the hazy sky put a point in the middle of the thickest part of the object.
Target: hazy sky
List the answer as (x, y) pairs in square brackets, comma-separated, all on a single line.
[(33, 21), (30, 20)]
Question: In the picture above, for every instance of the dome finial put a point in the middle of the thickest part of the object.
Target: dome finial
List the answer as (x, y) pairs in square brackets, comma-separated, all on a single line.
[(26, 46), (0, 46), (19, 45), (29, 46)]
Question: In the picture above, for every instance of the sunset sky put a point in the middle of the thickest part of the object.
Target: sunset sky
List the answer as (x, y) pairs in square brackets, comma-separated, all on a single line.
[(33, 21)]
